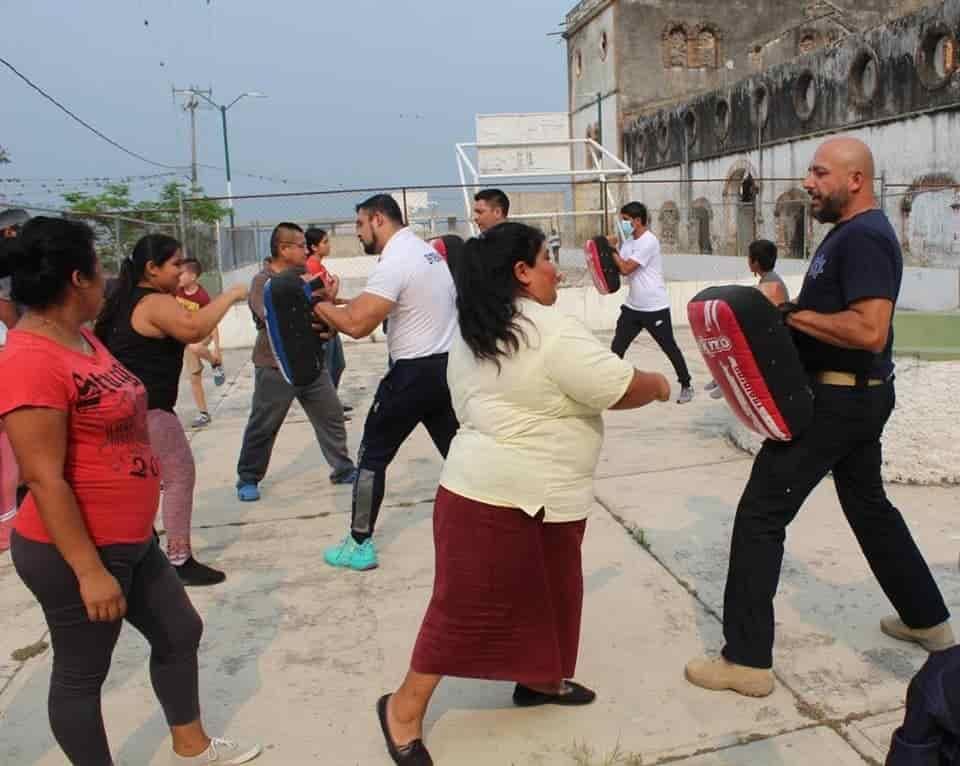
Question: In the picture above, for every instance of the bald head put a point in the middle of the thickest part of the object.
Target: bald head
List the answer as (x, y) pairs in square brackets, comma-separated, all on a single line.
[(840, 179), (851, 154)]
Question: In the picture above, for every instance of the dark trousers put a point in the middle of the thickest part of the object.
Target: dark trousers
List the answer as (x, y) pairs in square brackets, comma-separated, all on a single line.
[(272, 397), (414, 391), (157, 606), (631, 323), (844, 438), (335, 361), (930, 735)]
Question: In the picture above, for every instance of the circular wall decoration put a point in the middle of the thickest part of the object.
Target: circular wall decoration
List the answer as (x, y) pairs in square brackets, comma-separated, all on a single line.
[(937, 58), (864, 78), (722, 116), (805, 95)]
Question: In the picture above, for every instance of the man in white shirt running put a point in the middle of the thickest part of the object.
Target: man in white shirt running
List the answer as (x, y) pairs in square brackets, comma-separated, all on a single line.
[(648, 305), (412, 287)]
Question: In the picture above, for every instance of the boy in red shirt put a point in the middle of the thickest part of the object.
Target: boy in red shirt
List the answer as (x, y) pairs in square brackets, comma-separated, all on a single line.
[(318, 248), (194, 297)]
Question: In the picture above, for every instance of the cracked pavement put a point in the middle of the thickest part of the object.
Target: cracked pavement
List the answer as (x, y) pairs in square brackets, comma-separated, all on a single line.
[(295, 654)]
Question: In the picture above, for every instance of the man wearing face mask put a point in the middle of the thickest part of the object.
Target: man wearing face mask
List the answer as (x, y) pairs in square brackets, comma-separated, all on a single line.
[(412, 287), (647, 306), (842, 324)]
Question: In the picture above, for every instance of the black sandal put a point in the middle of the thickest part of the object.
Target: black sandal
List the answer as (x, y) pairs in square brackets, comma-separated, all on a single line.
[(524, 696), (413, 754)]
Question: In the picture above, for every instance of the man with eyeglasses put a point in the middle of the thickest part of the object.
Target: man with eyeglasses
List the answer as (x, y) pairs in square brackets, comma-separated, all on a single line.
[(273, 395)]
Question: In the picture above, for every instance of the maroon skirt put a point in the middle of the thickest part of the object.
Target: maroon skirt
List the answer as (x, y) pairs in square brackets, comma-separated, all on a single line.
[(507, 595)]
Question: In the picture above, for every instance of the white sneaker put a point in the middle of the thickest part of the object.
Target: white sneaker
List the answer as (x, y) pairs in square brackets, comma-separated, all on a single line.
[(222, 752)]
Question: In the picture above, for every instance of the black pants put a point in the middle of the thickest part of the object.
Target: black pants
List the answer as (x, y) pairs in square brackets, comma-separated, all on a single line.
[(157, 606), (413, 391), (272, 397), (631, 323), (844, 438)]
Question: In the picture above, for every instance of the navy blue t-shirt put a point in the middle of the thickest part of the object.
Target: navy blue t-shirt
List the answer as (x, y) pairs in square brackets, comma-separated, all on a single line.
[(858, 259)]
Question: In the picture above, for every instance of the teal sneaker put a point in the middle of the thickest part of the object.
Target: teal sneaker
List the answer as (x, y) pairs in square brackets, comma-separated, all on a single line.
[(350, 554)]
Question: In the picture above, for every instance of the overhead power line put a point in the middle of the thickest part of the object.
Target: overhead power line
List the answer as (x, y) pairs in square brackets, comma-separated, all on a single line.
[(83, 122), (88, 126)]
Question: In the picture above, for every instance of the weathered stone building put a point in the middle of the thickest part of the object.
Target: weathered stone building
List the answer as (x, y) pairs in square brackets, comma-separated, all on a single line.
[(718, 108)]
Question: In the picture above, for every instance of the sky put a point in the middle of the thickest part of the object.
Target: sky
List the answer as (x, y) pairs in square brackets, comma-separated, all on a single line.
[(364, 93)]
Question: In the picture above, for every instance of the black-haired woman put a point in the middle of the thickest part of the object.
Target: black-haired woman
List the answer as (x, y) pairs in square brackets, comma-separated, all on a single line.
[(528, 385), (146, 328), (83, 540)]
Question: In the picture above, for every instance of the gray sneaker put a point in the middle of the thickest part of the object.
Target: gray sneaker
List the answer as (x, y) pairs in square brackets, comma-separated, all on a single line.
[(221, 752), (686, 395), (201, 420)]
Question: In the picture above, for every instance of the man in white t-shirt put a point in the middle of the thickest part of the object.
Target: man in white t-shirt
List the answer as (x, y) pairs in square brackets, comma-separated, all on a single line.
[(410, 286), (648, 305)]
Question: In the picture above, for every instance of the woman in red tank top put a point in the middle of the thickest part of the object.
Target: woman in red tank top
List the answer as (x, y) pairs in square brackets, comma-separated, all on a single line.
[(83, 541)]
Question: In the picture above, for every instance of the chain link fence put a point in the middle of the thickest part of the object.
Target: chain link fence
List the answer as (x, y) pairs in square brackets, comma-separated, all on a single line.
[(700, 216), (717, 217), (116, 235)]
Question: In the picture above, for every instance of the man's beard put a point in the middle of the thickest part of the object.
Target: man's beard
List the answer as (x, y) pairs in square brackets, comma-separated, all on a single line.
[(831, 209), (371, 248)]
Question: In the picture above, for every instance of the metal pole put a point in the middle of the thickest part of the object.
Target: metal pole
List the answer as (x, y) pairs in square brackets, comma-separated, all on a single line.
[(183, 219), (606, 211), (758, 199), (883, 191), (192, 106), (226, 158), (117, 254), (406, 220), (599, 119)]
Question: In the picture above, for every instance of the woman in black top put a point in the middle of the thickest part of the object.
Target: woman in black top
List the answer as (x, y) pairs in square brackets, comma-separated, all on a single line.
[(145, 328)]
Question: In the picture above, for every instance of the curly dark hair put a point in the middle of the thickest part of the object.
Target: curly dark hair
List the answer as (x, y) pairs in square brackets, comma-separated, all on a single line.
[(487, 288)]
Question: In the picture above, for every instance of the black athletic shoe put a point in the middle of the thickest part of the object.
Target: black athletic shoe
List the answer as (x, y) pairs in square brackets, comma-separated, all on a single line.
[(192, 572), (576, 695)]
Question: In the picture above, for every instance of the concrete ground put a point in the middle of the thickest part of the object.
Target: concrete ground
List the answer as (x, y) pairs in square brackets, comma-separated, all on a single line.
[(296, 654)]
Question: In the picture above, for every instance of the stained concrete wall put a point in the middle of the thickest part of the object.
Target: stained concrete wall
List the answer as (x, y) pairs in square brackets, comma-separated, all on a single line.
[(824, 91), (927, 224), (911, 119), (750, 36)]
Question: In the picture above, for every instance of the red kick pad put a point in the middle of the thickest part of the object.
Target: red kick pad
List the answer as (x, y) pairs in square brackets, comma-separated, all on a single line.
[(602, 267), (753, 359)]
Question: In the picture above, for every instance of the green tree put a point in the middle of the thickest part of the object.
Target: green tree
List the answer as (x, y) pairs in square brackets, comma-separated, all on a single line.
[(119, 222), (4, 156), (200, 210), (113, 197)]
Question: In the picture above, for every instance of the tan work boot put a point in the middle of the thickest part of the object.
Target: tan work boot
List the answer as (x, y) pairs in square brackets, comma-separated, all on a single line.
[(934, 639), (718, 674)]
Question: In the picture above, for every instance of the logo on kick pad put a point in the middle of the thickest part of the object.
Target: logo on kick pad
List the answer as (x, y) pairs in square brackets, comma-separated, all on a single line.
[(716, 345)]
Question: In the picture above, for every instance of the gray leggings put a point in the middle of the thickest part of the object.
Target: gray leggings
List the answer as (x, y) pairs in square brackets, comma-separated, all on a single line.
[(157, 606)]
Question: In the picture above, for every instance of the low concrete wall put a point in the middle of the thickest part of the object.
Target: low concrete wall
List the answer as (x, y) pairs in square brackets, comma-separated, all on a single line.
[(923, 289), (926, 289)]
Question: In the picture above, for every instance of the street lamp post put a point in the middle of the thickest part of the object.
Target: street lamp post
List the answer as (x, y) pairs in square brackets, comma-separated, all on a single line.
[(226, 144), (226, 159)]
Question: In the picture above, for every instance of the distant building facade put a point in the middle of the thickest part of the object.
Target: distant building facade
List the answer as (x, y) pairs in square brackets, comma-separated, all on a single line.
[(736, 96)]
